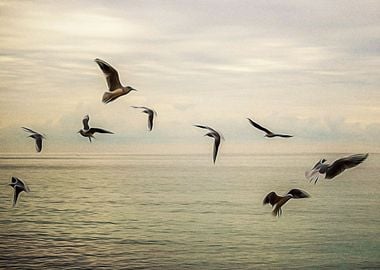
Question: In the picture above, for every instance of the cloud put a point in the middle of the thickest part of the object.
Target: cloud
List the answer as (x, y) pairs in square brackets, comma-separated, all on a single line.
[(308, 68)]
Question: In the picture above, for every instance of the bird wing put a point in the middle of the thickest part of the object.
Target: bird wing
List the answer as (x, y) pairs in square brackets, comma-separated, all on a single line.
[(99, 130), (338, 166), (277, 209), (38, 144), (298, 193), (205, 127), (140, 107), (284, 135), (29, 130), (111, 74), (16, 193), (260, 127), (271, 198), (216, 147), (85, 120), (150, 119)]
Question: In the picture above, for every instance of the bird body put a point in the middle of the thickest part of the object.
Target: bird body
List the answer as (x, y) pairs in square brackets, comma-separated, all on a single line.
[(37, 137), (269, 134), (278, 201), (88, 132), (329, 171), (115, 88), (18, 185), (217, 138), (151, 114)]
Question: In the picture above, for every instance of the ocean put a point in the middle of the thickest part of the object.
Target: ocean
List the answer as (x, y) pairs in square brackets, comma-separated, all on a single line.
[(111, 211)]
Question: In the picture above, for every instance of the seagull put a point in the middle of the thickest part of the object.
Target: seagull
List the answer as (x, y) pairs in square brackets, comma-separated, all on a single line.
[(37, 136), (213, 134), (278, 201), (18, 186), (88, 132), (114, 86), (151, 113), (329, 171), (269, 134)]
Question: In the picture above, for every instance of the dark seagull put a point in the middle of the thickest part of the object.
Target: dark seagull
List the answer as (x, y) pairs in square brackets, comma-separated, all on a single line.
[(216, 136), (329, 171), (36, 136), (278, 201), (115, 88), (269, 133), (88, 132), (18, 185), (151, 114)]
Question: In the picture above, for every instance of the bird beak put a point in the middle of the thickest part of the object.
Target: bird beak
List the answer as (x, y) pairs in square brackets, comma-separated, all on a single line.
[(133, 89)]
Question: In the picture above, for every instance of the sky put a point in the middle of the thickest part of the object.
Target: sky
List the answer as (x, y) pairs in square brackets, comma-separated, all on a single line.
[(307, 68)]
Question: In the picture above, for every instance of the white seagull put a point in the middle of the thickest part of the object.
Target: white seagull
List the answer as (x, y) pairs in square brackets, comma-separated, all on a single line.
[(269, 134), (18, 185), (36, 136), (114, 86), (217, 137), (329, 171), (88, 132), (151, 113), (278, 201)]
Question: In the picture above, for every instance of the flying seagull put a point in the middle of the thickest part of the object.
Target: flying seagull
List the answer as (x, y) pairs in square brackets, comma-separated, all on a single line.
[(18, 185), (114, 86), (151, 113), (88, 132), (329, 171), (213, 134), (36, 136), (278, 201), (269, 133)]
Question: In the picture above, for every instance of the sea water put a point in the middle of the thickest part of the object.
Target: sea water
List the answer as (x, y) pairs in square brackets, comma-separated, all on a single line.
[(118, 211)]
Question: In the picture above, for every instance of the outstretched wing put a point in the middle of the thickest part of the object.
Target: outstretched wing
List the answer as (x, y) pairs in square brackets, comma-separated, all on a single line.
[(85, 120), (29, 130), (216, 147), (206, 127), (259, 127), (100, 130), (284, 135), (111, 74), (16, 193), (298, 193), (38, 144), (150, 120), (342, 164), (271, 198)]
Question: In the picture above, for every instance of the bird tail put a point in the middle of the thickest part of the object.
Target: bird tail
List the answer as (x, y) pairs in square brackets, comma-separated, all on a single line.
[(107, 97), (312, 175)]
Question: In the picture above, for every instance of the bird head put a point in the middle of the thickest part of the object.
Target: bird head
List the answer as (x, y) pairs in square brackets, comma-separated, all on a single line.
[(129, 88)]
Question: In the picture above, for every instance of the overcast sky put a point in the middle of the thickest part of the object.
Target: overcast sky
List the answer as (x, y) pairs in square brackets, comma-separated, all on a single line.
[(308, 68)]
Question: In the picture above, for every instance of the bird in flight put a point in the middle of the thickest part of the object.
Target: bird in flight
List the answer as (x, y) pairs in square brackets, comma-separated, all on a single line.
[(329, 171), (115, 88), (88, 132), (216, 136), (151, 114), (269, 133), (36, 136), (278, 201), (18, 185)]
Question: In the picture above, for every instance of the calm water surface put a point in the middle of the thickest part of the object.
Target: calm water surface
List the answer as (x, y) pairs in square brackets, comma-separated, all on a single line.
[(182, 212)]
